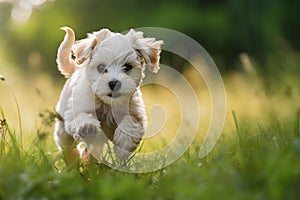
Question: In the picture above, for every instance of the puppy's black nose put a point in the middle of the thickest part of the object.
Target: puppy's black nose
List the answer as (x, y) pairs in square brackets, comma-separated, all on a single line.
[(114, 85)]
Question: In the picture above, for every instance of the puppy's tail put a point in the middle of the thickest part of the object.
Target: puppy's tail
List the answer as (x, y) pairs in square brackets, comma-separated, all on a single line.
[(66, 65)]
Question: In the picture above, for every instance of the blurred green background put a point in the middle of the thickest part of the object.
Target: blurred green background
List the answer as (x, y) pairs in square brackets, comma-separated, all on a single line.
[(255, 44), (30, 35)]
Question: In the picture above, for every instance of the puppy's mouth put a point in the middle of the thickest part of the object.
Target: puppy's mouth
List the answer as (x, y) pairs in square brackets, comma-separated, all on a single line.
[(114, 94)]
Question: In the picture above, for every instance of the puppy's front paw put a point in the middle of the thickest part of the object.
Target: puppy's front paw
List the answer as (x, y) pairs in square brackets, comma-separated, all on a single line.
[(87, 130)]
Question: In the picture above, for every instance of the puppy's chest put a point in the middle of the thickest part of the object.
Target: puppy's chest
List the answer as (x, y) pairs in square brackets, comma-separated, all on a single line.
[(108, 124)]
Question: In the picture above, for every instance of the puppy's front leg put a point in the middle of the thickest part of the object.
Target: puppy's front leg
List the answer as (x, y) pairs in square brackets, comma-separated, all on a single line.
[(87, 129), (92, 135), (80, 119), (127, 136)]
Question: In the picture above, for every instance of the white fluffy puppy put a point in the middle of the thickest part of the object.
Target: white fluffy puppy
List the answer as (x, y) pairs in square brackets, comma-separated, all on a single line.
[(102, 96)]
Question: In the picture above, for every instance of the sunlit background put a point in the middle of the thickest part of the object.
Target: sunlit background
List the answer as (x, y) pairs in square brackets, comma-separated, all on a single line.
[(255, 45)]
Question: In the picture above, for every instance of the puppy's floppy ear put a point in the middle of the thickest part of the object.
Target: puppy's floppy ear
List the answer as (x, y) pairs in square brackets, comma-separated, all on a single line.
[(83, 49), (148, 48)]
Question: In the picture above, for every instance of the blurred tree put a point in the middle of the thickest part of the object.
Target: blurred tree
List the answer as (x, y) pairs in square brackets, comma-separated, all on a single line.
[(291, 25), (225, 28), (257, 24)]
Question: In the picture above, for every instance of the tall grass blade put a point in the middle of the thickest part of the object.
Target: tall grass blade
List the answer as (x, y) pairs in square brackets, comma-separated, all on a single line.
[(236, 124), (11, 142), (18, 112), (297, 124), (19, 117)]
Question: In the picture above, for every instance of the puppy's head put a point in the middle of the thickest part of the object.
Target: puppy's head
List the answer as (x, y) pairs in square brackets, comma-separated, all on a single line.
[(115, 62)]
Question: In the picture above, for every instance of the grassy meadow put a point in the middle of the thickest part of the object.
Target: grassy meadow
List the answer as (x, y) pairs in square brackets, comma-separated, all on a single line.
[(256, 157)]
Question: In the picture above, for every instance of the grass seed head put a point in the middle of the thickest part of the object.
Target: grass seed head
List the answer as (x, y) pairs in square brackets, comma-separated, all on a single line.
[(2, 78)]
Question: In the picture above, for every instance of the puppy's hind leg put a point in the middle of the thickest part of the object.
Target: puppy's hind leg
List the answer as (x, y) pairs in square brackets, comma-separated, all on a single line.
[(65, 143)]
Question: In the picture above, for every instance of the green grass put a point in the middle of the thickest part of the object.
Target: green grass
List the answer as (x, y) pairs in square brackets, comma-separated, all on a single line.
[(256, 157), (256, 161)]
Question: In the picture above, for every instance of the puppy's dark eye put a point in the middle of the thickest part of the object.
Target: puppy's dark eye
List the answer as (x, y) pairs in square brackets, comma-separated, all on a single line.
[(127, 67), (101, 68)]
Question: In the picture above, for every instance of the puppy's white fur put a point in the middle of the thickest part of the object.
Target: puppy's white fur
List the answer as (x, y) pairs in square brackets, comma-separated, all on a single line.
[(88, 106)]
